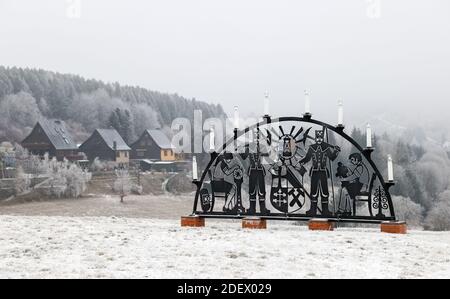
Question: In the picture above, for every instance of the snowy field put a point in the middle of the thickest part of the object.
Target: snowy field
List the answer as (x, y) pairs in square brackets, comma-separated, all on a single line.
[(119, 247)]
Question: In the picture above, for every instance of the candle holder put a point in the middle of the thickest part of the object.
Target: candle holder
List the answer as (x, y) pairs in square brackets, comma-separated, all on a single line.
[(235, 138), (368, 152), (390, 184), (340, 128)]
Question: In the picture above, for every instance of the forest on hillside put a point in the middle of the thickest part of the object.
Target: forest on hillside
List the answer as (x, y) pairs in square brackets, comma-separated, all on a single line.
[(421, 193), (85, 105)]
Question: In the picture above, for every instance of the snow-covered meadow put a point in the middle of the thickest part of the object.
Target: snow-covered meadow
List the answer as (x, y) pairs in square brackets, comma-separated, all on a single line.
[(110, 247)]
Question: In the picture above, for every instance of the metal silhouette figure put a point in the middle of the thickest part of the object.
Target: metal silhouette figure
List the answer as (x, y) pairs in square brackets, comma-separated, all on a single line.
[(351, 177), (257, 176), (320, 153)]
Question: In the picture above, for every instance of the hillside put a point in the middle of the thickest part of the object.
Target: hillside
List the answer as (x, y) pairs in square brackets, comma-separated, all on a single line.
[(86, 104)]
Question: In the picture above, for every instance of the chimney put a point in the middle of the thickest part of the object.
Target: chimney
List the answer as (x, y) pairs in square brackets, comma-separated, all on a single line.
[(115, 145)]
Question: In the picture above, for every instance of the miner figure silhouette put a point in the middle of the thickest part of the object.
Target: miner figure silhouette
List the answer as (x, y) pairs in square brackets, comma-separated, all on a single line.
[(320, 153)]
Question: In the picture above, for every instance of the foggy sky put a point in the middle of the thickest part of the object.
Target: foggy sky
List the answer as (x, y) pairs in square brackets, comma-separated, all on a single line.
[(232, 51)]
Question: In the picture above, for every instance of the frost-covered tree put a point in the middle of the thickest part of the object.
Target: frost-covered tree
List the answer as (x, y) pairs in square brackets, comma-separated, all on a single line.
[(29, 163), (144, 118), (121, 121), (76, 179), (18, 114), (22, 181), (56, 182), (409, 211), (433, 171), (65, 179), (438, 219), (97, 165), (122, 184)]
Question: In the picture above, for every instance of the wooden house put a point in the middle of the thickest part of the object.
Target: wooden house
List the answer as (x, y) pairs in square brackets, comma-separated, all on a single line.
[(153, 145), (52, 137), (106, 145)]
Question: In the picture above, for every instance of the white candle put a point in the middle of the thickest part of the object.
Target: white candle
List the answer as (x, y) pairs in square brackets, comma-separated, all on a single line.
[(236, 117), (340, 113), (266, 104), (390, 169), (212, 140), (307, 103), (369, 136), (194, 169)]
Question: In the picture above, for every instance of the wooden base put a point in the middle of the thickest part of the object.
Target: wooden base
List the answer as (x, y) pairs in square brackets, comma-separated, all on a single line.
[(394, 227), (321, 224), (192, 221), (254, 223)]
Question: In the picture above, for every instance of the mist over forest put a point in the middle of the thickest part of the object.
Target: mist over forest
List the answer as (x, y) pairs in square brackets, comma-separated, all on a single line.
[(86, 104)]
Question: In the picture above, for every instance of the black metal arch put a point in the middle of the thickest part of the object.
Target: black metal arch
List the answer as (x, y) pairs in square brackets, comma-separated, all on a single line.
[(339, 130)]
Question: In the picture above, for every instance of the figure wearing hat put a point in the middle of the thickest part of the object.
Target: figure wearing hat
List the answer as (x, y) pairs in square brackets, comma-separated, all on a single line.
[(257, 174), (320, 153)]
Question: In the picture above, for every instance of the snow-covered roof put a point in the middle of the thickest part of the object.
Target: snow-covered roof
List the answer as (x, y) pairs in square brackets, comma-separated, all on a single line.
[(160, 139), (57, 133), (111, 136)]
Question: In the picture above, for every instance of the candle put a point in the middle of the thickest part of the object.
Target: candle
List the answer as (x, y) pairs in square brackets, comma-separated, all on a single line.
[(340, 113), (390, 169), (194, 169), (266, 104), (369, 136), (236, 117), (307, 103), (212, 141)]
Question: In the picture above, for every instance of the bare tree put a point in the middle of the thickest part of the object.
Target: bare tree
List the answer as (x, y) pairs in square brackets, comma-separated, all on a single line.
[(122, 184)]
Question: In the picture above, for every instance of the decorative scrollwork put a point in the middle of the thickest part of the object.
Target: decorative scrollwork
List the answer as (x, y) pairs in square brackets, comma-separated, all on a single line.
[(380, 202), (380, 198)]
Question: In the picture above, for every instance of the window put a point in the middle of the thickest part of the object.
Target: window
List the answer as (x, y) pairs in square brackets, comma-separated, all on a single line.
[(117, 154), (165, 152), (126, 154)]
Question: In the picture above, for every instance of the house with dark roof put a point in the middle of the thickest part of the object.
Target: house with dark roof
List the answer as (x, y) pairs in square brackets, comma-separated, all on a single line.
[(106, 145), (153, 145), (51, 136)]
